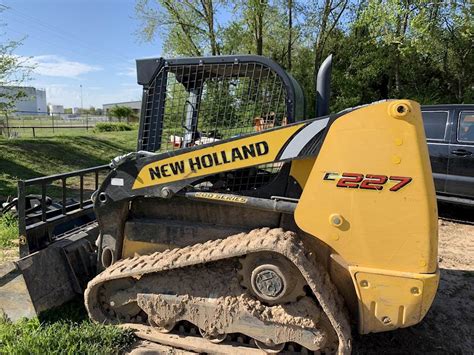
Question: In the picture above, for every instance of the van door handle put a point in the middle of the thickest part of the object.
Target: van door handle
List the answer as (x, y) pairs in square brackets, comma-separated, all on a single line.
[(461, 152)]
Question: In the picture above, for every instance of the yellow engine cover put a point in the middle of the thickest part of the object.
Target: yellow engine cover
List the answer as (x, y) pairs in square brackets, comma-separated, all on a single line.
[(370, 196)]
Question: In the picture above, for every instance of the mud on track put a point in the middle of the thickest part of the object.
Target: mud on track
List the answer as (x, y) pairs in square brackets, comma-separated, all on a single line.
[(448, 326)]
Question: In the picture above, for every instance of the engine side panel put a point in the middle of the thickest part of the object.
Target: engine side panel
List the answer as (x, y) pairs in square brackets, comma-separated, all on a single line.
[(376, 208), (358, 176)]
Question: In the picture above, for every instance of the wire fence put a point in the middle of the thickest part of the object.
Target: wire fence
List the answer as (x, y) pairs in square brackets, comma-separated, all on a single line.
[(33, 124)]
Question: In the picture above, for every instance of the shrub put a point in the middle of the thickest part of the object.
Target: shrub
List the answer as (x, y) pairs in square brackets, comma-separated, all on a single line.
[(113, 127)]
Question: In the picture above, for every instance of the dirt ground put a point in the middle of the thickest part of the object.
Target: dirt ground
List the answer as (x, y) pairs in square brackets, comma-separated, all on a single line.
[(8, 254), (449, 325)]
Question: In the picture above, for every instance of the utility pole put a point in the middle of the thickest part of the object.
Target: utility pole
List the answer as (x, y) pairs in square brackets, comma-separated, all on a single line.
[(81, 100), (82, 111)]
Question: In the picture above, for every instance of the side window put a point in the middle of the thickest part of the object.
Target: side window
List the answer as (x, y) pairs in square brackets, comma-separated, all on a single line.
[(466, 127), (435, 124)]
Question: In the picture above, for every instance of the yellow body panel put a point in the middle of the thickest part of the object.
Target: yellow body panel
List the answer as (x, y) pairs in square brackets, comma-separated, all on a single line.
[(394, 230), (300, 170), (215, 159), (387, 238), (390, 300), (133, 248)]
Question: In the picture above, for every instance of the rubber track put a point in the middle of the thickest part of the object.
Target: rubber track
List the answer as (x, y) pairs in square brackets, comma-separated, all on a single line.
[(456, 220), (259, 240)]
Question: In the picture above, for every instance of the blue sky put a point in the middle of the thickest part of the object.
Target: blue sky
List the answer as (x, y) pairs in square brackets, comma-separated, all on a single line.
[(80, 42)]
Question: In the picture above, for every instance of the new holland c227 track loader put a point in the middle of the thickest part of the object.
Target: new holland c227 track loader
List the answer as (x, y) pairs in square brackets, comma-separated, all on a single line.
[(239, 219), (239, 225)]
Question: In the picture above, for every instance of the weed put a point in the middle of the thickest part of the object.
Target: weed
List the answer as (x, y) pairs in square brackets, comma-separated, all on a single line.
[(8, 230)]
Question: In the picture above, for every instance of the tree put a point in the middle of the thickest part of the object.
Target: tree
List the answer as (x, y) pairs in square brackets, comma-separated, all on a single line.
[(321, 20), (254, 14), (190, 25), (427, 47), (121, 112), (92, 110), (455, 46), (382, 49), (14, 70)]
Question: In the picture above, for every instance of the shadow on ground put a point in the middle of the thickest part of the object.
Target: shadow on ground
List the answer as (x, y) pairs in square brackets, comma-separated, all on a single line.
[(73, 311)]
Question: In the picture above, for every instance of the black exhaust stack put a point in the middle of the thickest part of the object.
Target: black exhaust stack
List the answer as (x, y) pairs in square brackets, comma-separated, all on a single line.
[(323, 87)]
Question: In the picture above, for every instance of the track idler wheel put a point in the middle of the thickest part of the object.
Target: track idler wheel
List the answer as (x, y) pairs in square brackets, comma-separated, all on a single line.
[(119, 302), (219, 338), (162, 329), (271, 278), (270, 348)]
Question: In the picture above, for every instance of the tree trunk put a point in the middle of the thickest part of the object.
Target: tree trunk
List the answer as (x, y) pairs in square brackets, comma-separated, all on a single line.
[(322, 31), (255, 11), (397, 71), (260, 32), (209, 18), (402, 25), (290, 30)]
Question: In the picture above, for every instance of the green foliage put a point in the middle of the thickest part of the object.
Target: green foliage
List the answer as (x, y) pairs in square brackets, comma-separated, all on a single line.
[(113, 127), (8, 230), (121, 112), (189, 24), (382, 49), (65, 330)]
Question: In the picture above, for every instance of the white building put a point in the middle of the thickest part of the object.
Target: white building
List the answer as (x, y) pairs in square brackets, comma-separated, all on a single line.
[(56, 109), (33, 103)]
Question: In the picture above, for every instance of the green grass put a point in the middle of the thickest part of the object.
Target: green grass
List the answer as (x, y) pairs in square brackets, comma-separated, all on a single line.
[(47, 123), (8, 230), (26, 158), (44, 126), (65, 330)]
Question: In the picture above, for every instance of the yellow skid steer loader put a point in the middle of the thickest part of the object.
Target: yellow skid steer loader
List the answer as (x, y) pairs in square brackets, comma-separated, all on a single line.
[(241, 226)]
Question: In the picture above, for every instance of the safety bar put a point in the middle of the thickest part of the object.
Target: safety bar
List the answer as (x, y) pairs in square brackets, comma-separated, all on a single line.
[(38, 227)]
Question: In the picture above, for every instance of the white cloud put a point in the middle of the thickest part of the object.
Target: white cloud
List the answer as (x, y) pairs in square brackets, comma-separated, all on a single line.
[(130, 71), (53, 65)]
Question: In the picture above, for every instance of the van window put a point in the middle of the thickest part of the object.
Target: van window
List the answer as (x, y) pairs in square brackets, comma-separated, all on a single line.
[(435, 124), (466, 127)]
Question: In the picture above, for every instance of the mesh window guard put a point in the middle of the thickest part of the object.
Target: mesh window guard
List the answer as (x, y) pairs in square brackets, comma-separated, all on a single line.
[(188, 105)]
